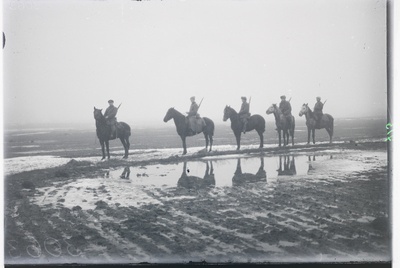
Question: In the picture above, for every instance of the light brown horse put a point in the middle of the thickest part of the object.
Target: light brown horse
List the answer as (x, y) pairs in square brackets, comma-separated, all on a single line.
[(325, 122), (282, 124)]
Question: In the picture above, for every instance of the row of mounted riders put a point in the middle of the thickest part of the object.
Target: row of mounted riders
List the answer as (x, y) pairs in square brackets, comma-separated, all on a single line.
[(107, 128)]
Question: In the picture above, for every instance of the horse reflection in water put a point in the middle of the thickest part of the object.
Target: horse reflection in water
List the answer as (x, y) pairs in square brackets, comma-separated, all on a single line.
[(310, 167), (125, 174), (193, 182), (241, 178), (289, 166)]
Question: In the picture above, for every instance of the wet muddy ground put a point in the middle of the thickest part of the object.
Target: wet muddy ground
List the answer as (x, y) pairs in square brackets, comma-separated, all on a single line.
[(329, 205)]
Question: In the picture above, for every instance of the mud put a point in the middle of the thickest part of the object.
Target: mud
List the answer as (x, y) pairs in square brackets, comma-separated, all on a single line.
[(310, 204)]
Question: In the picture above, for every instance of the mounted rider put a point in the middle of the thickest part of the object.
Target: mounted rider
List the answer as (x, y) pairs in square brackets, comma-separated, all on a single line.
[(196, 123), (286, 109), (111, 120), (244, 113), (318, 110)]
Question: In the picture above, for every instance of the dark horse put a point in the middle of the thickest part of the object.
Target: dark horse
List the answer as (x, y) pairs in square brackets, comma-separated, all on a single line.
[(325, 122), (282, 124), (182, 127), (255, 121), (103, 133)]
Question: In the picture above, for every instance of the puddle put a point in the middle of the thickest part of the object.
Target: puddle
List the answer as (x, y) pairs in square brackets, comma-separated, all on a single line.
[(138, 186), (135, 186), (221, 172)]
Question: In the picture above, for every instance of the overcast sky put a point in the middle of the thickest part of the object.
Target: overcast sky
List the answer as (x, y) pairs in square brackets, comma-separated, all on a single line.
[(64, 57)]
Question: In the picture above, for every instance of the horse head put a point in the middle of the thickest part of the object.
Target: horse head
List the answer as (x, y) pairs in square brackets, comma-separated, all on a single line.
[(304, 109), (98, 115), (169, 115), (227, 113), (272, 109)]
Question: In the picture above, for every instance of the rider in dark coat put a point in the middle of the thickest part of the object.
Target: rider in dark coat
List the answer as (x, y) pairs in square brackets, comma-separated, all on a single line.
[(192, 114), (193, 107), (244, 113), (286, 109), (318, 110), (111, 120)]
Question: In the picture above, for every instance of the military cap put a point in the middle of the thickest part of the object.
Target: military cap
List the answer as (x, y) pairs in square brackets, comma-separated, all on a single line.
[(283, 97), (110, 101), (318, 98), (244, 98), (192, 98)]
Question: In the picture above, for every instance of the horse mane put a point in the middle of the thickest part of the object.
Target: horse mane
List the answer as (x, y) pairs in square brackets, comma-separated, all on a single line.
[(233, 110)]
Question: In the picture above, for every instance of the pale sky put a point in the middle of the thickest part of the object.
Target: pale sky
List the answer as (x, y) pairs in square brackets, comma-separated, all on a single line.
[(64, 57)]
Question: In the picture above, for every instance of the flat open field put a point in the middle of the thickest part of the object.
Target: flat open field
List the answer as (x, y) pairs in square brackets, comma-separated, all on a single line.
[(308, 203)]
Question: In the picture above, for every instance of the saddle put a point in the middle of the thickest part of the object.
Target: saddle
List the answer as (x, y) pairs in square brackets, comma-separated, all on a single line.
[(195, 124), (117, 128)]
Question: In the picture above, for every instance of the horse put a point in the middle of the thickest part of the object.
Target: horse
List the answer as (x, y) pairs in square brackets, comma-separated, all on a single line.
[(183, 129), (103, 131), (255, 122), (282, 124), (325, 122)]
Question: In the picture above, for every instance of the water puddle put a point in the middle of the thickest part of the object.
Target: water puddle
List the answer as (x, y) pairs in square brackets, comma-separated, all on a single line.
[(220, 172), (135, 186)]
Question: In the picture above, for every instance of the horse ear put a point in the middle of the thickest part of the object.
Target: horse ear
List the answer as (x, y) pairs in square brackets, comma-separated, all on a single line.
[(94, 108)]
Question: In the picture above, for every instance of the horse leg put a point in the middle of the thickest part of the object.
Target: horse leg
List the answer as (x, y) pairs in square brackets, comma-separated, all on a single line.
[(284, 136), (128, 145), (313, 135), (238, 141), (292, 133), (287, 137), (108, 148), (211, 143), (206, 137), (279, 134), (330, 134), (124, 144), (102, 149), (261, 139), (184, 144), (309, 132)]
